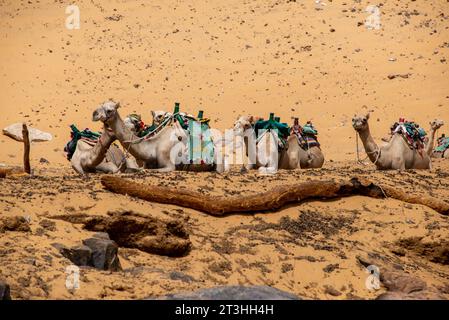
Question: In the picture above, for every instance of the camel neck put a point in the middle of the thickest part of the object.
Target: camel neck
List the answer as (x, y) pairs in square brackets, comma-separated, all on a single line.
[(430, 143), (126, 136), (370, 145), (101, 147), (121, 131)]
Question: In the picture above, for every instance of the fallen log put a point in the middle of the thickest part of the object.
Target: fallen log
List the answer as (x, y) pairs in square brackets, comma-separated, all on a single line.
[(271, 200)]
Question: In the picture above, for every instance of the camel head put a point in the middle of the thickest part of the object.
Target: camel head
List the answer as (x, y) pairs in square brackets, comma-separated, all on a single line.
[(360, 123), (159, 116), (436, 124), (132, 122), (243, 123), (106, 112)]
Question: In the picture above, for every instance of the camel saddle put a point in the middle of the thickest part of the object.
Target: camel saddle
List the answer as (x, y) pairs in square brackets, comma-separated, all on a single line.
[(273, 123), (306, 135), (412, 133), (442, 144), (87, 135)]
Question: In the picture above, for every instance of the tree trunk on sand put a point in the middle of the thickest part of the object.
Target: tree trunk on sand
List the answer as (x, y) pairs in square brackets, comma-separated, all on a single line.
[(26, 151), (270, 200)]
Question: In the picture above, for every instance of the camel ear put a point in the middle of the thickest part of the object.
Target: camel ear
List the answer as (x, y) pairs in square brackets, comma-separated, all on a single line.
[(153, 114), (251, 119), (367, 116), (117, 105)]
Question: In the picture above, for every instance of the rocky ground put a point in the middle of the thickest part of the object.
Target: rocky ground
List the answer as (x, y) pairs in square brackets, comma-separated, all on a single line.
[(314, 250)]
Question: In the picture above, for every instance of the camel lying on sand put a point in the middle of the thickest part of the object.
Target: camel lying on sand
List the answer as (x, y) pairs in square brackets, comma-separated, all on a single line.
[(296, 157), (301, 157), (99, 156), (434, 126), (268, 154), (262, 154), (396, 154), (162, 151)]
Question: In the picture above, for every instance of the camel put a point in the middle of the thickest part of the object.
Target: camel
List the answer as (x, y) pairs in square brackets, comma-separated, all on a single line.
[(98, 157), (296, 157), (161, 152), (434, 126), (396, 154), (263, 152)]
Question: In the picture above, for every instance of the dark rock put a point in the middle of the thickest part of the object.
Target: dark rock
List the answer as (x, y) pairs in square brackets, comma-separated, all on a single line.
[(331, 267), (101, 235), (14, 223), (332, 291), (420, 295), (48, 224), (104, 253), (5, 293), (234, 293), (44, 161), (176, 275), (80, 255), (394, 281)]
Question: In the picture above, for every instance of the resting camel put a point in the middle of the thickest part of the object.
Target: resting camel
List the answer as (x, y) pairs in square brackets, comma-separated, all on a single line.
[(434, 126), (396, 154), (98, 157), (262, 153), (161, 151), (295, 157)]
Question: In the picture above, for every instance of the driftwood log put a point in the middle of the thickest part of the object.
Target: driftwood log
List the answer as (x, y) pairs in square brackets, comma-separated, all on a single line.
[(270, 200)]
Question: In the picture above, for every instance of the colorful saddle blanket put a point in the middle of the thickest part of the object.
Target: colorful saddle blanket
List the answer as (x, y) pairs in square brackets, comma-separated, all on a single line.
[(200, 146), (442, 144), (272, 123), (306, 135), (412, 133), (76, 135)]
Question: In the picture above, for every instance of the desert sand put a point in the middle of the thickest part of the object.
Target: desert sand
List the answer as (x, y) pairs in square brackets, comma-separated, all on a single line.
[(228, 59)]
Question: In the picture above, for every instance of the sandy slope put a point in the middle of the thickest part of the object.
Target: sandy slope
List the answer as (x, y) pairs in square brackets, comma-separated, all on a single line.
[(227, 58)]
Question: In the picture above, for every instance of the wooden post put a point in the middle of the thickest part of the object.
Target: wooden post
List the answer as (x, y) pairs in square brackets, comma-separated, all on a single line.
[(26, 151)]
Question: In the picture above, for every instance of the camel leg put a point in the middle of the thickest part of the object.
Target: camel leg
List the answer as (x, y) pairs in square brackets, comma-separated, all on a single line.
[(107, 167), (78, 168)]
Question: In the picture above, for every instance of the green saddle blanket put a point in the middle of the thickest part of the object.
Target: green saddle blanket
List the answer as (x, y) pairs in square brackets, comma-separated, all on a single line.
[(75, 136), (443, 144), (282, 129)]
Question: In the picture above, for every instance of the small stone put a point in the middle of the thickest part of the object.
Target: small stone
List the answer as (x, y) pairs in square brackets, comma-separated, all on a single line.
[(104, 254), (44, 161)]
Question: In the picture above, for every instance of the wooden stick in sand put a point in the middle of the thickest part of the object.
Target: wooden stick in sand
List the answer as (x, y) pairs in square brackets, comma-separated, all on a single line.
[(26, 151)]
